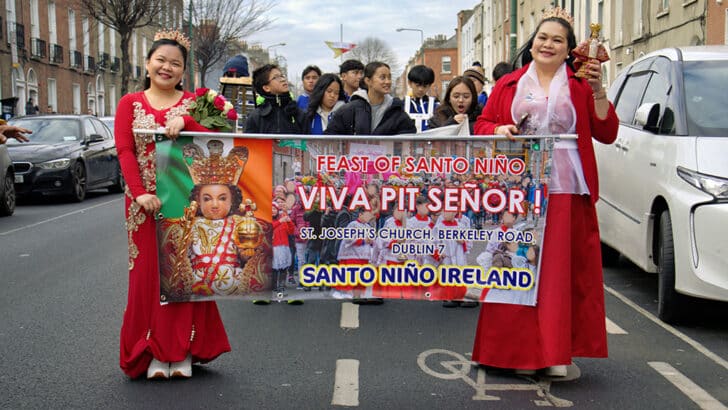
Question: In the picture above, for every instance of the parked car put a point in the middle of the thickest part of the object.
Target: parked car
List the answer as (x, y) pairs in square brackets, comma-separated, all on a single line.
[(109, 122), (664, 182), (66, 155), (7, 179)]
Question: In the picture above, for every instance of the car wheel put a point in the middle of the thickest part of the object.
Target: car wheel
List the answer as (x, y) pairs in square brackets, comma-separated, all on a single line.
[(669, 302), (7, 202), (610, 256), (119, 184), (78, 182)]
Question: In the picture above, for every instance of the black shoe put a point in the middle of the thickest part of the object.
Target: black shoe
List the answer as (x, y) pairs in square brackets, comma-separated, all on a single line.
[(367, 301), (295, 302), (469, 304), (450, 303), (261, 302)]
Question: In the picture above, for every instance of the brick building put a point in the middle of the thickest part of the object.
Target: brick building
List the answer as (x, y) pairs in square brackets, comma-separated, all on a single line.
[(53, 52)]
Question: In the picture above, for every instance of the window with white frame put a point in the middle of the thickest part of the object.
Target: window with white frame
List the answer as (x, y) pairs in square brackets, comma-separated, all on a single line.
[(34, 19), (52, 35), (637, 19), (446, 64), (76, 90), (52, 93), (725, 32), (86, 43), (663, 6), (618, 7), (112, 43), (112, 99), (101, 39), (71, 30)]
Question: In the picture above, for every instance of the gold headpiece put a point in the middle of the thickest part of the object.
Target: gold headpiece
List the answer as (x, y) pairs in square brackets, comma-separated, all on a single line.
[(215, 169), (173, 35), (559, 13)]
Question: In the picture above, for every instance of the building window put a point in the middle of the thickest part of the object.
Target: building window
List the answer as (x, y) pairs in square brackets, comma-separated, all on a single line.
[(446, 64), (637, 19), (663, 6), (71, 30), (76, 98), (725, 33), (445, 84), (52, 38), (618, 7), (34, 25), (52, 96), (101, 39)]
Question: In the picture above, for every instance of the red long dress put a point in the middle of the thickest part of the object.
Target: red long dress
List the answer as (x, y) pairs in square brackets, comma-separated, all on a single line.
[(166, 332), (569, 319)]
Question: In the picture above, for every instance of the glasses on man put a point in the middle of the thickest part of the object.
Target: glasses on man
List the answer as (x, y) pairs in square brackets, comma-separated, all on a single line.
[(279, 77)]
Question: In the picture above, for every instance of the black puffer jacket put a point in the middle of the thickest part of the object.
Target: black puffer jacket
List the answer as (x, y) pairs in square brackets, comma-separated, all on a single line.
[(355, 118), (278, 114)]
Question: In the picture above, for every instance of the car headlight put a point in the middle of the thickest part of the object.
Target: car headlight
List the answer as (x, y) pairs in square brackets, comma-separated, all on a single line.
[(716, 186), (55, 164)]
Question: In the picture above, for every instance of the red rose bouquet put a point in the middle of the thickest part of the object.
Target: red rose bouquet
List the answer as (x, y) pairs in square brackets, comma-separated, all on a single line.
[(212, 110)]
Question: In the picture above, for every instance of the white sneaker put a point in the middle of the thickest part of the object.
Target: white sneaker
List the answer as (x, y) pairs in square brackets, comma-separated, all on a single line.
[(337, 294), (158, 370), (556, 371), (182, 369)]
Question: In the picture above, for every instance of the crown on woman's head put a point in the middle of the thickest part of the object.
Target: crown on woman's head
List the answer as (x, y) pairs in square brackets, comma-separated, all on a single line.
[(558, 12), (174, 35), (215, 168)]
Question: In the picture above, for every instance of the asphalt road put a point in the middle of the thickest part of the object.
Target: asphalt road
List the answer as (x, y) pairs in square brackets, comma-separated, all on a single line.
[(63, 270)]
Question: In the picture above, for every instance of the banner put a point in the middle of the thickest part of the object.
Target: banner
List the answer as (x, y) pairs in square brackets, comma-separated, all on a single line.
[(339, 48), (420, 217)]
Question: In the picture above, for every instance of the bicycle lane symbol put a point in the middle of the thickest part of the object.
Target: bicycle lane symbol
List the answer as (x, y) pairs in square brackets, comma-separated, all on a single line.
[(460, 367)]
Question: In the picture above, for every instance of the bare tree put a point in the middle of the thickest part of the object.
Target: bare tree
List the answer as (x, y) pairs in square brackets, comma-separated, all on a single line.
[(123, 16), (219, 23), (373, 49)]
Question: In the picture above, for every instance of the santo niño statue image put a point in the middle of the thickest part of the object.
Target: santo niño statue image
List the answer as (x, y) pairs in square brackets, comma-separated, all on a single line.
[(218, 248)]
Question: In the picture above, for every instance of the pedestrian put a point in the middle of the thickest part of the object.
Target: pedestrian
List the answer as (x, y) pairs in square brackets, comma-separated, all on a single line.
[(477, 75), (459, 105), (420, 79), (371, 110), (161, 339), (31, 108), (501, 69), (49, 109), (309, 77), (327, 97), (568, 320), (351, 72), (276, 112)]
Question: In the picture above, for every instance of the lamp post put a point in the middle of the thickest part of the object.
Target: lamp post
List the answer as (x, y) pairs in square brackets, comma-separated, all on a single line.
[(267, 49), (422, 40)]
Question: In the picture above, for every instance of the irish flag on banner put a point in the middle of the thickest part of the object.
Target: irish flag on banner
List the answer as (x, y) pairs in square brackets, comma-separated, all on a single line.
[(174, 183), (339, 48)]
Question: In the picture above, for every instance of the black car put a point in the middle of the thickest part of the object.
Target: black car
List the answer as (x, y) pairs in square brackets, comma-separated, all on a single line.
[(66, 155), (7, 188)]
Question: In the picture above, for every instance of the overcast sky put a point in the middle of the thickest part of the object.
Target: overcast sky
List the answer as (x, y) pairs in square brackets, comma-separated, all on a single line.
[(304, 25)]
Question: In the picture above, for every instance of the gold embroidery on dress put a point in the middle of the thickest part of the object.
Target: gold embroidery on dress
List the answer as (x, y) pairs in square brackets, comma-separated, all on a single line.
[(147, 161)]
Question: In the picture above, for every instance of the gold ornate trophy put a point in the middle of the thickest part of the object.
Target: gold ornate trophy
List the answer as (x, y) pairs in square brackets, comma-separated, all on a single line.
[(590, 51)]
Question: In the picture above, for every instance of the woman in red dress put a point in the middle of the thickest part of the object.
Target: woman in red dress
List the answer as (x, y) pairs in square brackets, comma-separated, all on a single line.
[(569, 318), (162, 340)]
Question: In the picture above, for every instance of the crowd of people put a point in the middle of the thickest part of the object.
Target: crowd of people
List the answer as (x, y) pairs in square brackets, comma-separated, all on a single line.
[(567, 321)]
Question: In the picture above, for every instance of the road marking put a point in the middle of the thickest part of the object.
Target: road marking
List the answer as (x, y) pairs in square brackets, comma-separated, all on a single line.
[(57, 217), (613, 329), (346, 384), (701, 397), (349, 316), (680, 335), (459, 368)]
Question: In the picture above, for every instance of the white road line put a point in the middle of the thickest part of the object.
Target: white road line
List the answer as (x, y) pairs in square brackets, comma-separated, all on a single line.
[(58, 217), (349, 316), (346, 384), (701, 397), (613, 329), (680, 335)]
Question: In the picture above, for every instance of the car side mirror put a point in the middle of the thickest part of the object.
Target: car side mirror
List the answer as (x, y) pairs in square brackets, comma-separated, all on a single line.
[(647, 116), (93, 138)]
